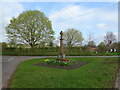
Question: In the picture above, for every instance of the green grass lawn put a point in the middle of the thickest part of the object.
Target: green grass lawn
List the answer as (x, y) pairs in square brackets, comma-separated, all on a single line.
[(98, 73)]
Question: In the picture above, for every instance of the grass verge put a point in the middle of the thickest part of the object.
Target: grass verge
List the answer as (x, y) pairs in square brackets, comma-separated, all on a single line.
[(98, 73)]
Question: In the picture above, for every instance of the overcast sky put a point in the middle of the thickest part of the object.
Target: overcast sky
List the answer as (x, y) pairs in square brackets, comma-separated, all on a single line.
[(88, 17)]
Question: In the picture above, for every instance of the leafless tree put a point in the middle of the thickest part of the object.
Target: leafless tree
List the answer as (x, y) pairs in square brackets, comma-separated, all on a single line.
[(90, 37), (109, 38)]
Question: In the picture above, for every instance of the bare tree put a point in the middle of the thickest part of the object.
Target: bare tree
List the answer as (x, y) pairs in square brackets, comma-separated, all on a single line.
[(109, 38), (90, 37)]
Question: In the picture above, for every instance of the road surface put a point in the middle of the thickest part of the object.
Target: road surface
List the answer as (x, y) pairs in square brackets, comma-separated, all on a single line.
[(9, 65)]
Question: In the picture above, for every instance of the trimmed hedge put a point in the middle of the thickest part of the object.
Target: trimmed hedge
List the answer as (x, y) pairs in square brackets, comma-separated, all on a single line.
[(50, 51)]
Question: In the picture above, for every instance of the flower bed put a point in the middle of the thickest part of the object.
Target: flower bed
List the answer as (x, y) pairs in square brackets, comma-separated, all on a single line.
[(59, 62)]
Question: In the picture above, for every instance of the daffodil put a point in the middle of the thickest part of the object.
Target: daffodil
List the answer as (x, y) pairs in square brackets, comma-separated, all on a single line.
[(46, 59)]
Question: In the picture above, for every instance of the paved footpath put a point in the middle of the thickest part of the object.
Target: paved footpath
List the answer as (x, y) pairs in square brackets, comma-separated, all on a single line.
[(10, 63)]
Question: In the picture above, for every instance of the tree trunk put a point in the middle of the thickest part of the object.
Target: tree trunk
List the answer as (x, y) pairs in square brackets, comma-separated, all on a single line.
[(32, 45)]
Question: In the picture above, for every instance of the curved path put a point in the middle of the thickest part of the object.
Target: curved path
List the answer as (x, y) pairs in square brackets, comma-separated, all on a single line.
[(10, 63)]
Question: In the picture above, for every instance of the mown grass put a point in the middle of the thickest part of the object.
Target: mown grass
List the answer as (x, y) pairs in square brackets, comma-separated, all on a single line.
[(98, 73)]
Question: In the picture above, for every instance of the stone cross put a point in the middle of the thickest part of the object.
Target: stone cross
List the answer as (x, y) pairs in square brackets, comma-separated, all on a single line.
[(61, 45)]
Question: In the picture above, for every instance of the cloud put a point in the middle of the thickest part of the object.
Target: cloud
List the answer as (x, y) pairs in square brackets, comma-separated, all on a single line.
[(102, 26), (74, 15), (70, 16), (85, 19), (9, 10), (110, 16), (70, 12)]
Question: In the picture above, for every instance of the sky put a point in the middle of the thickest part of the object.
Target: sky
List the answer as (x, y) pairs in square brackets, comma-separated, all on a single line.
[(94, 18)]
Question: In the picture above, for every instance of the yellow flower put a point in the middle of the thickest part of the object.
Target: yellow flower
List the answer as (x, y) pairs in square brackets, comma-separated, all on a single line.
[(46, 59)]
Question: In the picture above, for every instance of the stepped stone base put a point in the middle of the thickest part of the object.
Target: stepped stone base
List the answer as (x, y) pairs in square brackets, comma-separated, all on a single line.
[(61, 56)]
